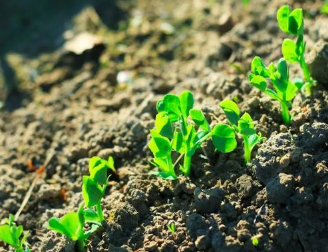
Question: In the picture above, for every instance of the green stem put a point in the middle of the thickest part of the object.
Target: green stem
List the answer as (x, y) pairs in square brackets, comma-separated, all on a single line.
[(307, 76), (247, 150), (171, 167), (80, 245), (100, 212), (186, 164), (285, 113)]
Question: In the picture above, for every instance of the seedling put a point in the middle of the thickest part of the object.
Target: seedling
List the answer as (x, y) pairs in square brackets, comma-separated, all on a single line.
[(72, 225), (292, 22), (94, 186), (172, 228), (255, 241), (93, 189), (243, 125), (174, 131), (284, 90), (10, 234)]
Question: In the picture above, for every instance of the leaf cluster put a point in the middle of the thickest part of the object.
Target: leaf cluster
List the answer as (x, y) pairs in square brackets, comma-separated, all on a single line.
[(244, 125), (284, 90), (181, 128), (11, 234), (292, 22)]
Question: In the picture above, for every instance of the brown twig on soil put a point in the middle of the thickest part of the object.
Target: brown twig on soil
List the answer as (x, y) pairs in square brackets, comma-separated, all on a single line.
[(38, 173)]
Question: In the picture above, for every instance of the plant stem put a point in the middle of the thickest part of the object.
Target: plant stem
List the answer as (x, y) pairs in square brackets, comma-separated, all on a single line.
[(186, 164), (285, 113), (80, 245), (100, 212), (247, 150), (307, 76)]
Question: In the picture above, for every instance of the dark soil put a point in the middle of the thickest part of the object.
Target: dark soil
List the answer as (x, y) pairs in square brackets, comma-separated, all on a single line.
[(72, 105)]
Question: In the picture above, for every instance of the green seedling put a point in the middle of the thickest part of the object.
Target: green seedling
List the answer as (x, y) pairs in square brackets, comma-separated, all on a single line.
[(172, 228), (292, 22), (255, 241), (93, 189), (284, 90), (175, 131), (244, 125), (72, 225), (10, 234)]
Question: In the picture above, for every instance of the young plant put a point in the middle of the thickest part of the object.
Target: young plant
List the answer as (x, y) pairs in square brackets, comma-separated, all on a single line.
[(10, 234), (172, 228), (93, 189), (175, 131), (72, 225), (243, 125), (292, 22), (284, 90), (94, 186)]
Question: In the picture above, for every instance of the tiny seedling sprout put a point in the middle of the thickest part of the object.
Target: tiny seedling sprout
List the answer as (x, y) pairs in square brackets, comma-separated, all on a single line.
[(255, 241), (93, 189), (292, 22), (174, 131), (244, 125), (172, 228), (284, 90), (11, 234)]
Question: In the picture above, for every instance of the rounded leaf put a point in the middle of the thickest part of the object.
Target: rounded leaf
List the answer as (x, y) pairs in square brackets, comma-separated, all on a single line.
[(92, 192), (282, 18), (186, 102), (289, 51), (231, 110), (224, 138)]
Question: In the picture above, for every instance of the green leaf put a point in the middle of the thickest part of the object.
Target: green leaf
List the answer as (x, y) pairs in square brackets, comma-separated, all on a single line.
[(295, 25), (246, 125), (68, 225), (283, 18), (186, 102), (110, 163), (91, 215), (163, 125), (231, 110), (159, 145), (94, 161), (254, 140), (199, 119), (259, 82), (191, 134), (178, 143), (171, 104), (224, 138), (92, 192), (7, 236), (258, 67), (99, 173), (291, 91), (23, 240), (282, 68), (289, 51)]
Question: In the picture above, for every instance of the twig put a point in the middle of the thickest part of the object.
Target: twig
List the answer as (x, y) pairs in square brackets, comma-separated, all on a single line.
[(39, 172)]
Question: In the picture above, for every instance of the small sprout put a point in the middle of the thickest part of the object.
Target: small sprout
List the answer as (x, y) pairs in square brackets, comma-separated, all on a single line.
[(244, 125), (174, 131), (172, 228), (255, 241), (10, 234), (93, 189), (292, 22), (72, 225), (284, 90)]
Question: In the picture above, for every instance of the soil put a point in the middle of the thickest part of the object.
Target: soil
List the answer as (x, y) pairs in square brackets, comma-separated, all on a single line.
[(70, 104)]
